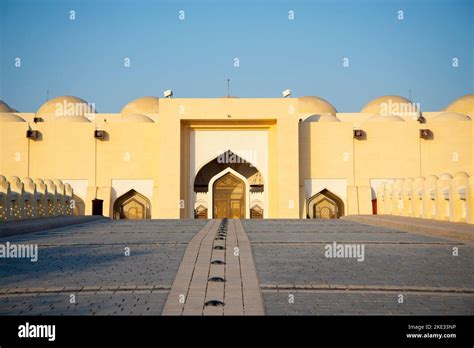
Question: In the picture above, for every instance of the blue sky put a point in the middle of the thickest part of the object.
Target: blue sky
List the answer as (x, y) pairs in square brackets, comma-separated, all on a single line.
[(194, 57)]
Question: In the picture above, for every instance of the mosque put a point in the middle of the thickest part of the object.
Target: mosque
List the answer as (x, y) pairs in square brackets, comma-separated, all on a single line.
[(239, 158)]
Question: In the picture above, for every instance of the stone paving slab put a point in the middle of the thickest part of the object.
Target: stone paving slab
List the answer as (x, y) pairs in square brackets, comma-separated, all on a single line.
[(446, 229), (316, 225), (89, 260), (360, 237), (290, 257), (182, 294), (366, 303), (11, 228), (383, 265), (276, 258), (115, 231), (68, 266), (99, 303), (320, 230), (253, 302), (229, 288)]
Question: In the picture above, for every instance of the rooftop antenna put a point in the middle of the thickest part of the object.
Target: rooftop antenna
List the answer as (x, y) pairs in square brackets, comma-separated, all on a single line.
[(47, 94), (410, 97), (228, 88)]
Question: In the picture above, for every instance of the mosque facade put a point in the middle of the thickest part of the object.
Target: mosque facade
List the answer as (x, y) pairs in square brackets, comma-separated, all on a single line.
[(243, 158)]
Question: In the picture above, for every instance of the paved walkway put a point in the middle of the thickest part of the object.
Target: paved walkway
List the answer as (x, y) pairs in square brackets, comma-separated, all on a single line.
[(217, 275), (89, 262), (215, 267), (401, 273)]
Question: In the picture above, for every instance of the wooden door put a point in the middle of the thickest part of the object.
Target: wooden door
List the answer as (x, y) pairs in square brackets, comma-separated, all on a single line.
[(229, 197)]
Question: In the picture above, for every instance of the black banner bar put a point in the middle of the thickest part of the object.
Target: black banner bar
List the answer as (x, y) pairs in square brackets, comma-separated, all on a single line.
[(134, 331)]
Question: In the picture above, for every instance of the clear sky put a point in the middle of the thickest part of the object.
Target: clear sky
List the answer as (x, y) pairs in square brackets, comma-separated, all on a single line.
[(194, 57)]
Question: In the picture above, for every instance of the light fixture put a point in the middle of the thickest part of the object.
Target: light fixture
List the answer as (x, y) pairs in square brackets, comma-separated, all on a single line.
[(426, 134), (32, 134), (100, 134), (286, 93), (359, 134), (168, 93)]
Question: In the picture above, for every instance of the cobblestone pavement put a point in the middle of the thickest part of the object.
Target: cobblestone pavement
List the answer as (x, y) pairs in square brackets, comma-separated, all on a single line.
[(401, 273), (89, 261), (297, 279)]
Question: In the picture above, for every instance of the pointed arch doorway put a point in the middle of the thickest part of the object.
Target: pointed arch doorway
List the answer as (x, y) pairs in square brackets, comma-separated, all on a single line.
[(132, 206), (229, 197), (325, 205)]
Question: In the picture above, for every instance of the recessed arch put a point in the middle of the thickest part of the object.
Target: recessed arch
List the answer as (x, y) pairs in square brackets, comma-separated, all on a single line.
[(226, 162), (256, 211), (200, 212), (228, 159), (133, 206), (325, 205)]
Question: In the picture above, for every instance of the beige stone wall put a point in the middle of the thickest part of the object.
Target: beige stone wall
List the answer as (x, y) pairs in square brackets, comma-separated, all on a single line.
[(307, 141), (390, 150)]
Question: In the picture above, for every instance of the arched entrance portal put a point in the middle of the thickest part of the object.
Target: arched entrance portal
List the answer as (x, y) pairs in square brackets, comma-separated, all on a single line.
[(229, 197), (132, 205), (325, 205), (249, 188)]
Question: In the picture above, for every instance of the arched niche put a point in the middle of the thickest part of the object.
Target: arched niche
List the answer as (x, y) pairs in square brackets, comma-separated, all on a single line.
[(133, 206), (325, 205), (200, 212), (256, 211)]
